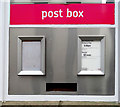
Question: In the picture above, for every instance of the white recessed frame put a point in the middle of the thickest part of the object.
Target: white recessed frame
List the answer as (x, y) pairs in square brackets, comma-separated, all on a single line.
[(31, 55), (91, 54)]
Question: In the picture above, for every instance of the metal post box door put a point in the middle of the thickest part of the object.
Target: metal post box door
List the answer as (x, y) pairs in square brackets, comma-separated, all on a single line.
[(62, 61)]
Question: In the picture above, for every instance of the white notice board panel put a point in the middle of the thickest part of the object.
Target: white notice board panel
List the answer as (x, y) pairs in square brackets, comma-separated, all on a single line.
[(91, 55)]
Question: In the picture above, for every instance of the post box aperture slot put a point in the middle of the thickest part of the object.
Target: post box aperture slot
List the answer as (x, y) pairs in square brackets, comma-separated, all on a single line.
[(70, 87), (31, 55), (91, 49)]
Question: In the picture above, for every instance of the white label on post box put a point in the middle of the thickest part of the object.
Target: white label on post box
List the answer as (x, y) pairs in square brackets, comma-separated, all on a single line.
[(91, 53)]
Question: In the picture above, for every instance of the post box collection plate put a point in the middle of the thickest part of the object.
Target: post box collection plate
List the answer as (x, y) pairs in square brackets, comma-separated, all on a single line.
[(63, 61)]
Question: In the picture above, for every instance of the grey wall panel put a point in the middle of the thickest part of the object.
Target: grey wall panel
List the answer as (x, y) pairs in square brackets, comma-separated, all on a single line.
[(61, 62)]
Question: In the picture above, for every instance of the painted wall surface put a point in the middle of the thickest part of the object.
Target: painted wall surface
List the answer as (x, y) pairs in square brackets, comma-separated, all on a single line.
[(119, 49), (0, 52), (1, 48)]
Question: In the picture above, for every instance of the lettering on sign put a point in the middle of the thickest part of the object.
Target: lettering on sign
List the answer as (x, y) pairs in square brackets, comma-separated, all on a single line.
[(59, 13)]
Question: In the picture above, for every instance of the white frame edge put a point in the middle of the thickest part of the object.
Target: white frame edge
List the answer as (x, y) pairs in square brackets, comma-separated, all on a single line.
[(91, 72), (61, 98), (65, 26), (6, 48), (103, 1), (30, 73), (56, 97), (116, 52), (1, 48)]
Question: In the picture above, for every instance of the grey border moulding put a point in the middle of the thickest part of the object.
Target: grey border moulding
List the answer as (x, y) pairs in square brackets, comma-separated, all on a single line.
[(100, 38), (42, 65)]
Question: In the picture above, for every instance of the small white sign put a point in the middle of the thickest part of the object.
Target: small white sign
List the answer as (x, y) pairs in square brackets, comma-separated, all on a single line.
[(91, 55)]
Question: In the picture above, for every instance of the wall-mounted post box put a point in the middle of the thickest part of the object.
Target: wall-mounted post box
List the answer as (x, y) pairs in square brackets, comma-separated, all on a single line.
[(61, 52)]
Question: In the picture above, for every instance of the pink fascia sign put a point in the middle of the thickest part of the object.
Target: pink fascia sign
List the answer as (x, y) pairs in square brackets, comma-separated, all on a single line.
[(34, 14)]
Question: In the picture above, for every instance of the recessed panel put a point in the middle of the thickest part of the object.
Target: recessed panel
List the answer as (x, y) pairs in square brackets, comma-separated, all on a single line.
[(31, 56), (91, 55)]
